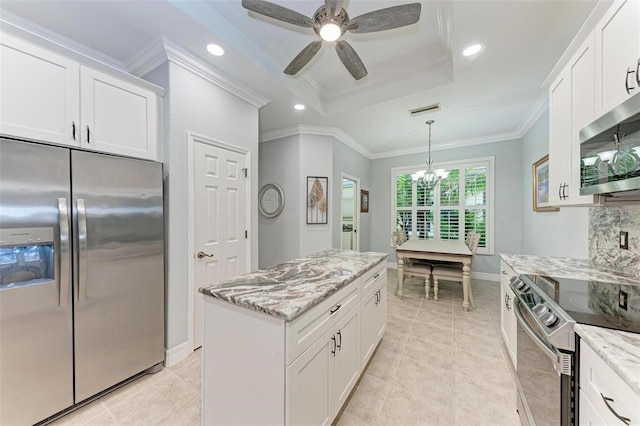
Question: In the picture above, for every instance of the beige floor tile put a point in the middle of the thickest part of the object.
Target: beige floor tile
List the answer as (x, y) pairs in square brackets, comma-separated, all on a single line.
[(83, 415), (443, 319), (481, 369), (103, 420), (481, 344), (350, 419), (365, 402), (445, 306), (190, 373), (419, 376), (402, 407), (430, 353), (185, 415), (475, 326), (154, 404), (394, 341), (403, 310), (432, 333), (383, 364), (399, 324), (128, 391), (484, 405)]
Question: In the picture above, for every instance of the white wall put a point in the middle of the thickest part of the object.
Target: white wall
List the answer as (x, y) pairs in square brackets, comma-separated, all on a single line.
[(193, 104), (280, 236), (316, 159), (508, 197), (562, 233)]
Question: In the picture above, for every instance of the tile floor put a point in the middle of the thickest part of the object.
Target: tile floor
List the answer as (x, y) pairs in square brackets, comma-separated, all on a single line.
[(436, 365)]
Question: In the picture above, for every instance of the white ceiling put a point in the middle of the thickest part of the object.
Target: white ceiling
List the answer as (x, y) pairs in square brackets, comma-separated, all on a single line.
[(488, 97)]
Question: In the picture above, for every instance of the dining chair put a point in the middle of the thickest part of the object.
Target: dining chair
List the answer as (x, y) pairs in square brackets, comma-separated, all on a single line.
[(411, 268), (454, 273)]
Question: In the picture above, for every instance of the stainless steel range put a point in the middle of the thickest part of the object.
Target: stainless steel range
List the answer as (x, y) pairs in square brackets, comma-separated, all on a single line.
[(547, 308)]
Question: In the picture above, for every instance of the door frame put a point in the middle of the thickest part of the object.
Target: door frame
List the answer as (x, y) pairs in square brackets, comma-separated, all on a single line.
[(356, 206), (192, 139)]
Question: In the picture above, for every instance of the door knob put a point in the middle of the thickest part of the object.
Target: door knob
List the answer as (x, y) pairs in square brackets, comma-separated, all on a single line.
[(202, 255)]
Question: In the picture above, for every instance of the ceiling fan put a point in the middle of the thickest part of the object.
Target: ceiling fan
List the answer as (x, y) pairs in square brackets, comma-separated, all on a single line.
[(330, 22)]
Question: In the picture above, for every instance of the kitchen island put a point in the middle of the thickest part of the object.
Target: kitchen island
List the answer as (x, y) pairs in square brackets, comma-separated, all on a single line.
[(287, 344)]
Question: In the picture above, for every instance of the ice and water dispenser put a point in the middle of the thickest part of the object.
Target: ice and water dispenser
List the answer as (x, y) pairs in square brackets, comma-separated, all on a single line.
[(26, 256)]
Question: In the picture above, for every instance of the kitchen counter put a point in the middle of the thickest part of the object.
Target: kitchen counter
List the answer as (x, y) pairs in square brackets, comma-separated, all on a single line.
[(619, 350), (290, 289), (565, 267)]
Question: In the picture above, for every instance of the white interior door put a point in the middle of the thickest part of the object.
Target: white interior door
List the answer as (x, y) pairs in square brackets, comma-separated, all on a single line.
[(350, 212), (220, 190)]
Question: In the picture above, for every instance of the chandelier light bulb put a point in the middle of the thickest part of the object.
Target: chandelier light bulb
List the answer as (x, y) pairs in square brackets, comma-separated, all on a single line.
[(330, 31), (429, 179)]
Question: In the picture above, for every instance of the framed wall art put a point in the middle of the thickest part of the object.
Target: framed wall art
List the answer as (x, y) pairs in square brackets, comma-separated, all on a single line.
[(540, 178), (317, 200), (364, 201)]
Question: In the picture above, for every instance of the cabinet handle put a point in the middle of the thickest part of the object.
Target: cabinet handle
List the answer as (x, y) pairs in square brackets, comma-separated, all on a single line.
[(335, 310), (564, 191), (88, 135), (606, 400), (73, 130), (504, 272), (560, 191), (507, 298), (376, 275), (333, 351), (626, 80), (339, 345), (638, 72)]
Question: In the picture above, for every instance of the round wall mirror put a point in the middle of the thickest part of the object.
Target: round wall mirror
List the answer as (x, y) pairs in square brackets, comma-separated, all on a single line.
[(271, 200)]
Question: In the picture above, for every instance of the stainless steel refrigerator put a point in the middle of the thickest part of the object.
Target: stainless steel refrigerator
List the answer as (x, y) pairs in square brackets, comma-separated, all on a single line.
[(81, 276)]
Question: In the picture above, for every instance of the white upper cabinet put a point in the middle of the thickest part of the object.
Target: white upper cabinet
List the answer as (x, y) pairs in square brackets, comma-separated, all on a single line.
[(617, 38), (116, 116), (571, 107), (39, 93), (48, 97)]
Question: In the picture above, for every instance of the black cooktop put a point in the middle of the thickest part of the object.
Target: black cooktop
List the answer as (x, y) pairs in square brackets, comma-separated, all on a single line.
[(598, 303)]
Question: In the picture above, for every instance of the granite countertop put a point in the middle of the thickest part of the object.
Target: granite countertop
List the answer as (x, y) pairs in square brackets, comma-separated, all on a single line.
[(619, 350), (289, 289), (566, 267)]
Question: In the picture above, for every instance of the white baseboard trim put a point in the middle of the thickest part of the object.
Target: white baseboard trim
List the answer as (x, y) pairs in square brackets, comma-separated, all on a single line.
[(176, 354), (478, 275)]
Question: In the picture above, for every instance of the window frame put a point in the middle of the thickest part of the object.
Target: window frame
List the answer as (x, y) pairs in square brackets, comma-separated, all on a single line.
[(488, 162)]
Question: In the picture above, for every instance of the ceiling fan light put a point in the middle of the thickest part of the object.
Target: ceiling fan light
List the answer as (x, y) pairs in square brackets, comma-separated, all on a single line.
[(330, 31), (299, 107)]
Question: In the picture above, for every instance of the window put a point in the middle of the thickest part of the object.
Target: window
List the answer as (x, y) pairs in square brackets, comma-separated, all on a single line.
[(461, 203)]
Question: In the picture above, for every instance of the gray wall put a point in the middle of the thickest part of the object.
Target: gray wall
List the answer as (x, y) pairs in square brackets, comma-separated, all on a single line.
[(279, 236), (192, 104), (347, 160), (508, 197), (562, 233)]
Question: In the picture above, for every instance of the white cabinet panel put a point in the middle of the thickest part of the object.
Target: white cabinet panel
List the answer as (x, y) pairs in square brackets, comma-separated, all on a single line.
[(617, 38), (117, 116), (346, 362), (559, 138), (508, 326), (39, 93)]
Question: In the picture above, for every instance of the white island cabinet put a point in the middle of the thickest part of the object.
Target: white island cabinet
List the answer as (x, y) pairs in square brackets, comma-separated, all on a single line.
[(287, 345)]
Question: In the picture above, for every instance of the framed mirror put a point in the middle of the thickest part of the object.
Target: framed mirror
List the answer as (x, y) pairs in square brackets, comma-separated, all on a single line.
[(271, 200)]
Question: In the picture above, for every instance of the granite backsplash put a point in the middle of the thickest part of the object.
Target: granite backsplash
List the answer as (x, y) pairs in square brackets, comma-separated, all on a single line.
[(605, 224)]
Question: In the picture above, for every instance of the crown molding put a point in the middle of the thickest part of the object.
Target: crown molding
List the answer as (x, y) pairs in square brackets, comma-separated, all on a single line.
[(303, 129), (164, 49), (41, 34), (536, 112)]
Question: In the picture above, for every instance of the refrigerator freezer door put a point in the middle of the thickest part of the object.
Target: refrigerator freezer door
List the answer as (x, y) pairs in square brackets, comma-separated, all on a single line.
[(119, 269), (36, 358)]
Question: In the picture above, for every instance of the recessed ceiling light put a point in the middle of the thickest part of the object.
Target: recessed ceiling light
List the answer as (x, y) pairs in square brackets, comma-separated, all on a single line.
[(299, 107), (215, 50), (472, 49)]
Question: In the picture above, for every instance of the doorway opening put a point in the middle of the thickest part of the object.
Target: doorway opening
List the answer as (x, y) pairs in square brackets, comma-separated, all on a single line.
[(350, 212)]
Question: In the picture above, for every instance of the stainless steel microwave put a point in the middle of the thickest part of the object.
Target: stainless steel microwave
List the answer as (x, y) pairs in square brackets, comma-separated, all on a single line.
[(610, 152)]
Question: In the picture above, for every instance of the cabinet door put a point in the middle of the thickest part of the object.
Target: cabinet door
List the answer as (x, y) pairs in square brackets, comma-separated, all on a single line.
[(346, 362), (380, 315), (588, 416), (309, 385), (617, 37), (117, 117), (367, 340), (559, 138), (39, 93)]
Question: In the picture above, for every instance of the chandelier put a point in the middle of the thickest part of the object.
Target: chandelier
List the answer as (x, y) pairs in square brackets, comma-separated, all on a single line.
[(429, 178)]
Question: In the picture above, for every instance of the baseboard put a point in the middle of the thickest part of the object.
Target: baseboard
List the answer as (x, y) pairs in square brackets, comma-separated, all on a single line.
[(478, 275), (176, 354)]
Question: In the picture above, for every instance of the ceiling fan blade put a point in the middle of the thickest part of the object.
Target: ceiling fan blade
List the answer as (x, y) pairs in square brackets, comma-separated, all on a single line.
[(275, 11), (351, 60), (333, 7), (303, 58), (386, 19)]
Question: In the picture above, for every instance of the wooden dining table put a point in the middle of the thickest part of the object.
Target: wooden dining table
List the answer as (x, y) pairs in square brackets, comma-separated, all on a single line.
[(440, 250)]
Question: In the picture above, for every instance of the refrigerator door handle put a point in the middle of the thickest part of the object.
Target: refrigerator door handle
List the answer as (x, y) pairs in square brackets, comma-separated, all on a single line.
[(64, 265), (82, 251)]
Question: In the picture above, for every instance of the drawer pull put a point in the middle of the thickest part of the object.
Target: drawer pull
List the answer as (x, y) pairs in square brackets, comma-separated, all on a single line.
[(339, 345), (504, 272), (606, 400), (376, 275), (333, 351), (335, 309)]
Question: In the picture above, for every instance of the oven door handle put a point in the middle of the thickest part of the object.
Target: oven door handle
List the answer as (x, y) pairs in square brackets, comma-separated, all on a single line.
[(554, 355)]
